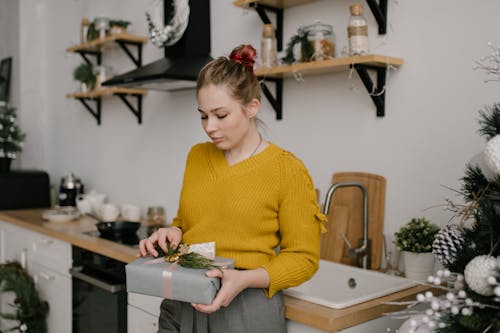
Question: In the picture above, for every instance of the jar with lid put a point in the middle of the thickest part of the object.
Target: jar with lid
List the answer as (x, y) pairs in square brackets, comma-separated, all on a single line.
[(268, 46), (155, 217), (322, 40), (357, 31)]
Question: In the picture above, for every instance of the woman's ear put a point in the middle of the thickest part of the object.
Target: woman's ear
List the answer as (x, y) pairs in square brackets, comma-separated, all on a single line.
[(252, 108)]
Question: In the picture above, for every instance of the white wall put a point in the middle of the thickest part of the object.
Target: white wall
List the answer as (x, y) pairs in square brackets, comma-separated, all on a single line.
[(421, 145)]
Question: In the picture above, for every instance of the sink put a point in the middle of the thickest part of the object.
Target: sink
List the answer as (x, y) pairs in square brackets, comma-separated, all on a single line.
[(338, 286)]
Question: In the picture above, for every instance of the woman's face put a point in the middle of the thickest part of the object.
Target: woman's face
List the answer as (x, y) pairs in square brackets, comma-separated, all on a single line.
[(224, 119)]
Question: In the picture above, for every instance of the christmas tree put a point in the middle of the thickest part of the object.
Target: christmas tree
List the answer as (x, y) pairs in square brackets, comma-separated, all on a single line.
[(468, 248), (11, 137)]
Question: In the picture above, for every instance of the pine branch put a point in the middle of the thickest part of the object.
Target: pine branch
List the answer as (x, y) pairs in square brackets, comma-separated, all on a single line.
[(490, 121)]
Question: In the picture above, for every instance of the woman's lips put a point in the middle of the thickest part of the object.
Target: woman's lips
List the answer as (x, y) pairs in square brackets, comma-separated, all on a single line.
[(216, 140)]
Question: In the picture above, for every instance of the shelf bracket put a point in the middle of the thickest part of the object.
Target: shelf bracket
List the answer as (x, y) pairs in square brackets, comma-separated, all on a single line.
[(124, 45), (96, 54), (261, 10), (276, 101), (379, 10), (137, 111), (377, 93), (96, 113)]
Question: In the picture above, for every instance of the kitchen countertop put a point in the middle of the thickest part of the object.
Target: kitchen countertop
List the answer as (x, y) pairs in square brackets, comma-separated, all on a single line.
[(310, 314)]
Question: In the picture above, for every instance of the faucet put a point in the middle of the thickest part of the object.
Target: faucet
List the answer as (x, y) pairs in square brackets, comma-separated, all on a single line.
[(362, 253)]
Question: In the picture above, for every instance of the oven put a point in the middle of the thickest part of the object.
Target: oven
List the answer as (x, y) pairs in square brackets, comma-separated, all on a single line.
[(99, 293)]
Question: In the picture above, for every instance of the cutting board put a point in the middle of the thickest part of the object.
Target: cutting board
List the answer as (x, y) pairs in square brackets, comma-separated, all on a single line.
[(346, 217), (332, 242)]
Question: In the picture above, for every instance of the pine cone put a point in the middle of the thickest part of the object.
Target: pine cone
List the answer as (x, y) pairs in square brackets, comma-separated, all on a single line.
[(447, 243)]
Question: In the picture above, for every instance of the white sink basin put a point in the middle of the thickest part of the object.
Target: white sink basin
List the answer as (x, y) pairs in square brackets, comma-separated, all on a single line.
[(338, 286)]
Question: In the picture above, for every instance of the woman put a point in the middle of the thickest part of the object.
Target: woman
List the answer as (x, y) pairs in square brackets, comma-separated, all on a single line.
[(249, 196)]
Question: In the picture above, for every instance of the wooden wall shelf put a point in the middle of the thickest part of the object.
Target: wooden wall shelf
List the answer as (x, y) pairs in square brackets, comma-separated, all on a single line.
[(328, 66), (96, 44), (96, 95), (362, 64), (94, 48)]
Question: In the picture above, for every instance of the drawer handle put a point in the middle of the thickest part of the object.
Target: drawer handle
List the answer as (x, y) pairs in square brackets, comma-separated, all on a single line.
[(46, 276)]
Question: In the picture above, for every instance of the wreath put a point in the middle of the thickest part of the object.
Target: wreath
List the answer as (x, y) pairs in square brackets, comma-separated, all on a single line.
[(177, 17), (30, 311)]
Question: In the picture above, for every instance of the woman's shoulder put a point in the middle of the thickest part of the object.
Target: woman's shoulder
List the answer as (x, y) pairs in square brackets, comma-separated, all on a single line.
[(288, 158), (202, 147)]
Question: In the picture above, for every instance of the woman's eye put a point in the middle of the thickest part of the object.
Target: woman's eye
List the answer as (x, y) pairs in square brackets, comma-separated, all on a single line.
[(203, 117), (222, 116)]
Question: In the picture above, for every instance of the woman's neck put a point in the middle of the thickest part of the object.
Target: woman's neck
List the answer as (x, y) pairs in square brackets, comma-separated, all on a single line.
[(251, 146)]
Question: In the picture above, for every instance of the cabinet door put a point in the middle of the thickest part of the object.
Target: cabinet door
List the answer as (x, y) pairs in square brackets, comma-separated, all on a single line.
[(55, 288), (16, 242), (139, 321)]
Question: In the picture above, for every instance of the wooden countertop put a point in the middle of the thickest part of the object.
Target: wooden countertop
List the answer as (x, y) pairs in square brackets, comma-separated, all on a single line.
[(318, 316)]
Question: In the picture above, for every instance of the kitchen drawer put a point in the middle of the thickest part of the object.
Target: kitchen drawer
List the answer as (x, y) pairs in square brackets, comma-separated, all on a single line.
[(139, 321), (150, 304), (52, 253)]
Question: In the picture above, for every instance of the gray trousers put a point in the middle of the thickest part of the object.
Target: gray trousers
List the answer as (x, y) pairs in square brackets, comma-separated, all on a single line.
[(249, 312)]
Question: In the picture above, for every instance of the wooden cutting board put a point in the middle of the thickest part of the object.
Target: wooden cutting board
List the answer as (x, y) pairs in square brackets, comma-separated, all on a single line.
[(348, 202), (332, 242)]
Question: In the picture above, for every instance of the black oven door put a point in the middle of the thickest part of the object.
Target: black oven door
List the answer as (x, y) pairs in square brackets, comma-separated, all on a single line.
[(99, 295)]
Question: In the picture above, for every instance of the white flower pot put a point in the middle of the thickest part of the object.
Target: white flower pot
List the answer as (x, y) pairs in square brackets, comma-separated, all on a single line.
[(418, 266)]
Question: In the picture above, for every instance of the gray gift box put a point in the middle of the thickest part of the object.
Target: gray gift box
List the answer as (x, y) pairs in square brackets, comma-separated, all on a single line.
[(157, 277)]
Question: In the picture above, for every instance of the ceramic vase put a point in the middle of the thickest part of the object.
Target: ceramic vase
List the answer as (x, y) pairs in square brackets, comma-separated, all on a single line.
[(5, 164), (418, 266)]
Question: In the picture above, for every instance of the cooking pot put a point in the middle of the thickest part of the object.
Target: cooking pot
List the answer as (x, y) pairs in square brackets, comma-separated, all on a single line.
[(118, 229)]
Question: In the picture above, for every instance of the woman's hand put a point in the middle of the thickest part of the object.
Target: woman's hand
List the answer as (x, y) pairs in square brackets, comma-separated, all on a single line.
[(173, 235), (233, 282)]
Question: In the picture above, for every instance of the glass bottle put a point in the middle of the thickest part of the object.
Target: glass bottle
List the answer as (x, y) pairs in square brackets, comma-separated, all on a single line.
[(155, 218), (357, 31), (84, 30), (268, 47), (322, 40)]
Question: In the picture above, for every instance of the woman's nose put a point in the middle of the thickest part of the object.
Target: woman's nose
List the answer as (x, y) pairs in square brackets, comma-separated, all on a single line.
[(211, 124)]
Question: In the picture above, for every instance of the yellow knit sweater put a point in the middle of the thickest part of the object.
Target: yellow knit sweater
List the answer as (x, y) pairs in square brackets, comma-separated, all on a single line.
[(251, 209)]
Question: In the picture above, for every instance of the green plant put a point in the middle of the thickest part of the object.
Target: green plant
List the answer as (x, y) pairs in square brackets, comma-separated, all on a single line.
[(119, 23), (416, 236), (84, 73)]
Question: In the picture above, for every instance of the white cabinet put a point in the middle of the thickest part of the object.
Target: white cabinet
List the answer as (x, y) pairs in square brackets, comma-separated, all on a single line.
[(142, 313), (48, 260)]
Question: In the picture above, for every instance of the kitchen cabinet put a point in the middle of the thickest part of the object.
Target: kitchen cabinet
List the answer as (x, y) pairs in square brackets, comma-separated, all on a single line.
[(377, 64), (142, 313), (95, 48), (48, 260)]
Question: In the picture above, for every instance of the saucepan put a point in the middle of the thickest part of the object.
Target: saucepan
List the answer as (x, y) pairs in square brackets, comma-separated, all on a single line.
[(116, 229)]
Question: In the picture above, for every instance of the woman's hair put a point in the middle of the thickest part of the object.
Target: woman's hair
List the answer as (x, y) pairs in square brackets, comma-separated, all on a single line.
[(235, 71)]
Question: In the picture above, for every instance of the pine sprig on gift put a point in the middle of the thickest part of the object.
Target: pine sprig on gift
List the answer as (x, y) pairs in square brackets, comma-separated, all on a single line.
[(183, 257), (489, 121), (473, 183)]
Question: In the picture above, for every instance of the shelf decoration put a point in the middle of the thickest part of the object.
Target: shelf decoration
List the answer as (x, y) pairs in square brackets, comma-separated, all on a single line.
[(11, 137), (30, 310)]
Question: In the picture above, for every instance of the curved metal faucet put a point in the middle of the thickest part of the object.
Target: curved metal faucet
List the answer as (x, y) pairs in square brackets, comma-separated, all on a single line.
[(362, 253)]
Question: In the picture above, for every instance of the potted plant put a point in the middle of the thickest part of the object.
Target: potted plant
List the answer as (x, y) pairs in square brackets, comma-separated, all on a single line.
[(11, 137), (118, 26), (84, 73), (415, 240)]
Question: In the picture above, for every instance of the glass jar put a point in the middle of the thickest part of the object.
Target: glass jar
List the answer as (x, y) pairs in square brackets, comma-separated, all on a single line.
[(156, 217), (357, 31), (102, 26), (322, 41), (268, 46)]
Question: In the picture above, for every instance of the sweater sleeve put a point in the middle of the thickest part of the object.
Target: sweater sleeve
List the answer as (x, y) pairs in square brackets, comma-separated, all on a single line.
[(300, 222)]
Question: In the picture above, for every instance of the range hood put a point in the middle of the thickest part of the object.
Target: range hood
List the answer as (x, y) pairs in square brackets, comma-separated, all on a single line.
[(182, 61)]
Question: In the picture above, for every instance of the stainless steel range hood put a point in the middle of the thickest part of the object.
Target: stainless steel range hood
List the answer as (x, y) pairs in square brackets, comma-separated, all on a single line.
[(183, 60)]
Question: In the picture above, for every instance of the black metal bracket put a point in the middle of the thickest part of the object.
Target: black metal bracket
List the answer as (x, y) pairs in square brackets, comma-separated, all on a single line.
[(261, 10), (137, 111), (377, 93), (124, 45), (96, 54), (276, 101), (379, 10), (96, 113)]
